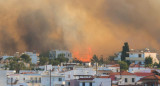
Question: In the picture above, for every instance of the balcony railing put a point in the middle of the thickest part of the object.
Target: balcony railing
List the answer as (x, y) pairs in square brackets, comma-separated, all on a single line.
[(32, 81), (135, 59)]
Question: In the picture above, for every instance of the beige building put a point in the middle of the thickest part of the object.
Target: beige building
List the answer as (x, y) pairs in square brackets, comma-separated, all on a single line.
[(124, 78)]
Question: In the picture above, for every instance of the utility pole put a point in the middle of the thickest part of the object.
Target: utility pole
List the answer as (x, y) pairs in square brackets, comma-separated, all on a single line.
[(11, 81), (96, 68), (50, 77)]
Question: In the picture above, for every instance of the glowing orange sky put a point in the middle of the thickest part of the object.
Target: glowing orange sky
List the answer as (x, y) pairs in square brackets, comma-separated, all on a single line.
[(85, 57)]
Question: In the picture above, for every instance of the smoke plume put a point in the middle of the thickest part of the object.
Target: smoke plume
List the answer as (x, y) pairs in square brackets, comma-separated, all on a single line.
[(79, 25)]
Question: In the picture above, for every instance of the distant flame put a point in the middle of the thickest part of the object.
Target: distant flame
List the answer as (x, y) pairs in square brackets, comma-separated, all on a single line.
[(84, 56)]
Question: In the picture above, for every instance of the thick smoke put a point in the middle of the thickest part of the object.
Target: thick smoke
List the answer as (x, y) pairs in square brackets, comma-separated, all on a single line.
[(78, 25)]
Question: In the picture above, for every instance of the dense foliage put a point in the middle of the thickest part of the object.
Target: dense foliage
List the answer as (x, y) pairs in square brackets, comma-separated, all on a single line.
[(123, 65), (148, 61), (125, 49), (26, 58), (15, 63)]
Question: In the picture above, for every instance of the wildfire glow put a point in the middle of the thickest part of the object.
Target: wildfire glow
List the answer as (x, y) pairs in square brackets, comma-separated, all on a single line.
[(84, 57)]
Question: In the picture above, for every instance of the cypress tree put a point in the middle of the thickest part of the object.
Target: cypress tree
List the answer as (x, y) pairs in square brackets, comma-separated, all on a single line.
[(125, 49)]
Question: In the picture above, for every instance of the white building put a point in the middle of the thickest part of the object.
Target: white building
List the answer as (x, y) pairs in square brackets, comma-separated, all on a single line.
[(78, 73), (124, 78), (94, 81), (114, 68), (24, 79), (5, 57), (33, 56), (138, 57), (55, 79), (102, 82), (56, 53)]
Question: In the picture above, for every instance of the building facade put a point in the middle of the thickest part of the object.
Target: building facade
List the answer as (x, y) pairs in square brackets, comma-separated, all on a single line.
[(60, 53)]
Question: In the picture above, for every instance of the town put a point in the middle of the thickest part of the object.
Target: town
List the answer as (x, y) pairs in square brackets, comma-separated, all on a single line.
[(128, 67)]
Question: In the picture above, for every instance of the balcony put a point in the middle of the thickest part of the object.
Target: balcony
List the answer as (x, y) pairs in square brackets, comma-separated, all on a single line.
[(135, 58), (117, 59)]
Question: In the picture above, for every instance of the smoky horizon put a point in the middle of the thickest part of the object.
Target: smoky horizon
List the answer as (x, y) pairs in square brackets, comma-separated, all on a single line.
[(82, 27)]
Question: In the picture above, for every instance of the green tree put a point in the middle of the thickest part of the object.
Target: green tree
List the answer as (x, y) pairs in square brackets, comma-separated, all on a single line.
[(15, 63), (43, 60), (62, 59), (101, 60), (123, 65), (54, 62), (148, 61), (94, 59), (156, 64), (75, 60), (26, 58), (125, 49)]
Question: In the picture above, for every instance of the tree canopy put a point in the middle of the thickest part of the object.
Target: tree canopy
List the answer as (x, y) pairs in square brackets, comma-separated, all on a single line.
[(148, 61), (94, 59), (123, 65), (125, 49), (43, 60), (15, 63), (26, 58)]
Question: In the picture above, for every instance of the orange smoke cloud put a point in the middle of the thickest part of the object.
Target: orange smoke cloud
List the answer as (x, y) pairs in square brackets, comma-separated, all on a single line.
[(103, 25)]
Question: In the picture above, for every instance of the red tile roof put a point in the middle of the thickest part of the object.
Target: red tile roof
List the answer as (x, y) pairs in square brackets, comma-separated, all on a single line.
[(134, 65), (103, 77), (122, 73), (27, 73), (116, 65), (143, 74), (152, 77)]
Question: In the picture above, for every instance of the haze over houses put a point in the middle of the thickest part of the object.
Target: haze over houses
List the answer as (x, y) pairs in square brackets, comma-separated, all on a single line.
[(58, 68)]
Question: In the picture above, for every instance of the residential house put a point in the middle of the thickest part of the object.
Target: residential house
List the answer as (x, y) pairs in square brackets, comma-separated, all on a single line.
[(60, 53), (138, 56), (114, 68), (153, 80), (123, 78), (54, 78), (33, 56)]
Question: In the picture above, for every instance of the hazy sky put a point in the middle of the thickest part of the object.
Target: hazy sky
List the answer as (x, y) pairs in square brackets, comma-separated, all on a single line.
[(81, 26)]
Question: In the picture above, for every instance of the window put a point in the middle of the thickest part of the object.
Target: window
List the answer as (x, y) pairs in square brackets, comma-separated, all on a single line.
[(140, 63), (115, 78), (139, 55), (36, 79), (39, 80), (60, 79), (125, 79), (90, 84), (68, 83), (83, 84), (132, 79), (104, 73)]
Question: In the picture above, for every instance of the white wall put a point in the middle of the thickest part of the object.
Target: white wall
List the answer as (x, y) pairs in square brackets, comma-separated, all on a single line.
[(129, 79), (33, 56), (79, 71), (5, 57), (102, 82), (134, 69), (54, 80), (153, 55), (55, 53)]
